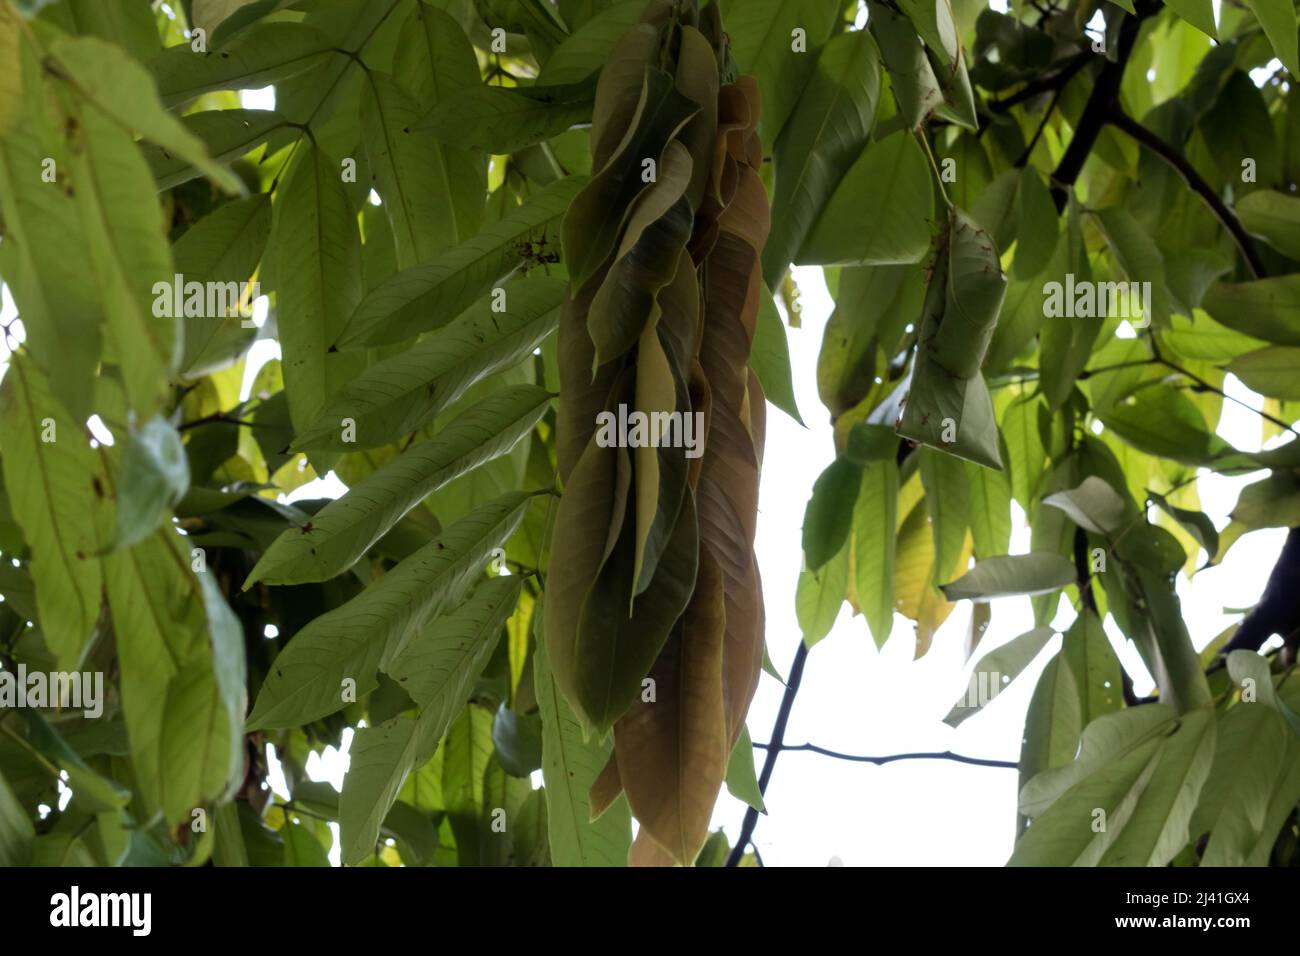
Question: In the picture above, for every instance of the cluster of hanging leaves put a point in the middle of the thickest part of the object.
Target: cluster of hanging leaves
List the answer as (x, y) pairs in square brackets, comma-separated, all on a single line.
[(654, 613), (972, 325)]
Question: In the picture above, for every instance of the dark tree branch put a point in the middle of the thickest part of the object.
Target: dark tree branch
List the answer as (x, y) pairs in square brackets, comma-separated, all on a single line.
[(1102, 102), (1226, 216), (774, 751), (1047, 84), (891, 758)]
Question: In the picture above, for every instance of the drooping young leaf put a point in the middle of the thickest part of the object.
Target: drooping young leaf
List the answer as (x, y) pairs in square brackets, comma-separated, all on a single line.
[(911, 77), (889, 186), (770, 357), (830, 126)]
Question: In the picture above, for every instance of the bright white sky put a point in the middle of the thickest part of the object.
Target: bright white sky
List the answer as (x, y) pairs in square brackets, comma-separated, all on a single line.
[(857, 700)]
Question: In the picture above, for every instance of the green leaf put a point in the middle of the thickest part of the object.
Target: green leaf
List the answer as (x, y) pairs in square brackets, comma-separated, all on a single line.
[(1094, 506), (316, 255), (468, 753), (349, 526), (742, 781), (1278, 18), (105, 76), (1275, 216), (261, 56), (201, 749), (1267, 309), (1273, 371), (518, 741), (1002, 665), (433, 193), (435, 60), (53, 485), (1052, 724), (940, 405), (570, 765), (1139, 767), (1024, 448), (500, 120), (438, 669), (875, 517), (990, 510), (306, 681), (92, 791), (888, 186), (911, 77), (1199, 13), (819, 596), (180, 650), (43, 256), (17, 834), (827, 131), (155, 476), (973, 289), (401, 394), (425, 296), (1035, 573), (1272, 502), (301, 848), (1204, 340), (1195, 523), (770, 357), (222, 247), (947, 505), (1163, 422), (1094, 666), (1039, 226), (761, 35), (128, 252), (589, 47), (829, 514)]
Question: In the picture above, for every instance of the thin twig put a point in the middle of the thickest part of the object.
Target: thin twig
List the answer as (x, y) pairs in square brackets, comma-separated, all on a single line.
[(892, 758), (774, 751)]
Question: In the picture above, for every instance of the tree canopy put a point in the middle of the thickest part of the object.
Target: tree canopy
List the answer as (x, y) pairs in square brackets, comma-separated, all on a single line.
[(524, 271)]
